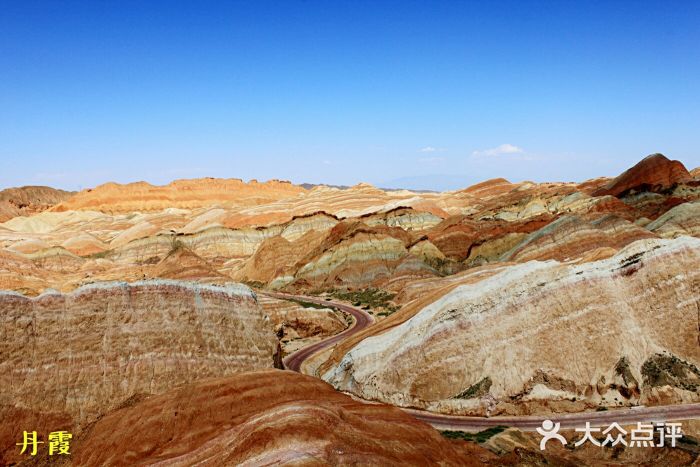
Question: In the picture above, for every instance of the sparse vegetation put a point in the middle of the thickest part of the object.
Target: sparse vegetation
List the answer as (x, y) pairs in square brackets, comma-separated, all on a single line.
[(175, 244), (632, 260), (480, 437), (367, 299), (98, 255), (476, 390), (444, 266), (254, 284), (666, 369)]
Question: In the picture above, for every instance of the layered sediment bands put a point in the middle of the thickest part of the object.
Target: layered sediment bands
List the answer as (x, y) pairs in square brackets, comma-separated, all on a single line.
[(277, 259), (216, 244), (85, 245), (361, 258), (292, 320), (356, 201), (19, 273), (29, 200), (653, 173), (571, 237), (681, 220), (83, 352), (219, 244), (47, 222), (56, 259), (406, 218), (262, 418), (619, 318), (529, 200), (461, 238), (187, 194), (149, 250), (285, 239), (301, 225), (327, 244), (351, 253), (490, 188), (183, 264), (355, 254)]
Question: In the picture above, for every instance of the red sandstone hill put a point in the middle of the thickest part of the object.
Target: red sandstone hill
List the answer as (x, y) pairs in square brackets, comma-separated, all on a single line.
[(29, 200), (653, 173), (263, 418)]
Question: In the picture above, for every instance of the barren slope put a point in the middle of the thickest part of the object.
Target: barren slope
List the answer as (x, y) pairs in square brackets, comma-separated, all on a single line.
[(262, 418), (568, 336), (29, 200), (83, 352)]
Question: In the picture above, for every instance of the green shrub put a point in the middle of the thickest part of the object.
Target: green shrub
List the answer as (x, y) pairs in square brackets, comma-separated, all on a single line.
[(480, 437)]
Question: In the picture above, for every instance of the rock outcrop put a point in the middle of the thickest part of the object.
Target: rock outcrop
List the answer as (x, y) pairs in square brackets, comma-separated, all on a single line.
[(626, 321), (29, 200), (681, 220), (83, 352), (653, 173), (571, 237), (295, 320)]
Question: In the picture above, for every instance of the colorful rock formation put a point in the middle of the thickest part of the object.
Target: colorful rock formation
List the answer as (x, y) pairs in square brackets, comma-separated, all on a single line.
[(83, 352), (29, 200), (502, 336), (262, 418), (653, 173)]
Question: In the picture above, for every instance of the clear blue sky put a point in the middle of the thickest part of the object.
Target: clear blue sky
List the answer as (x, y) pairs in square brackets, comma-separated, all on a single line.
[(424, 94)]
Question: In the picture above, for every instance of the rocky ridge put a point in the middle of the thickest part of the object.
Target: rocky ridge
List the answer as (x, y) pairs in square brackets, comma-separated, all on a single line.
[(28, 200), (614, 315)]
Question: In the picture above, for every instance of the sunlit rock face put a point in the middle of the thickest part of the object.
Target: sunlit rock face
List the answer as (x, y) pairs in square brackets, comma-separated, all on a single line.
[(294, 321), (82, 352), (185, 194), (279, 235), (681, 220), (653, 173), (572, 236), (29, 200), (544, 334), (262, 418)]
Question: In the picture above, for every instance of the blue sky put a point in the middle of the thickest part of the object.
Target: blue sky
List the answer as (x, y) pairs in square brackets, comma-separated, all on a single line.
[(421, 94)]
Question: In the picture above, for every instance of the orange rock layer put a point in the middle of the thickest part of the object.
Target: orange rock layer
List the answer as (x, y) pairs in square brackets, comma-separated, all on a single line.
[(262, 418)]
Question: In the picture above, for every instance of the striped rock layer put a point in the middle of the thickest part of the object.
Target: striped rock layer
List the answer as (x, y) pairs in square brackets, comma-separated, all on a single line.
[(621, 330), (82, 352)]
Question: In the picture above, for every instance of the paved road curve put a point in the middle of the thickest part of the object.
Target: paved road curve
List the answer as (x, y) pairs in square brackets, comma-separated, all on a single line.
[(454, 422), (362, 320)]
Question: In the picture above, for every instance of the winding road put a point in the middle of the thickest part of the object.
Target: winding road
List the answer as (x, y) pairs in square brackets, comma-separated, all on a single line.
[(362, 320), (464, 423)]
